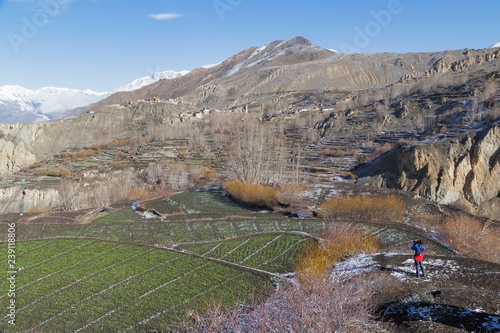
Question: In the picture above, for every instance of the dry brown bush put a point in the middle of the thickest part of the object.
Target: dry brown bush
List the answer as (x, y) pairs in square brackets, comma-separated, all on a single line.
[(338, 152), (254, 194), (35, 165), (337, 242), (330, 306), (379, 150), (37, 210), (47, 172), (138, 193), (208, 174), (290, 194), (470, 236), (64, 172), (348, 175), (382, 208)]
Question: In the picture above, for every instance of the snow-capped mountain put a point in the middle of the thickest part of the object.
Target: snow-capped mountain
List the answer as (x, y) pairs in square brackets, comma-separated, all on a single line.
[(147, 80), (18, 104), (290, 51), (496, 45)]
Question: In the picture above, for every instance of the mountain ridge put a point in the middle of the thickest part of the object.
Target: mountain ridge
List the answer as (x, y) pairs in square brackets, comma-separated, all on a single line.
[(285, 67), (19, 104), (150, 79)]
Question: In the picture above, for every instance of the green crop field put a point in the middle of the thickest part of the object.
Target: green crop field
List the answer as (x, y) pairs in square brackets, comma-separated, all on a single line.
[(96, 286), (275, 253), (121, 272)]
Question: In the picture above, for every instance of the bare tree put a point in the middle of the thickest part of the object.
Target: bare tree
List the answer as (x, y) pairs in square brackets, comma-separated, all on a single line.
[(257, 154)]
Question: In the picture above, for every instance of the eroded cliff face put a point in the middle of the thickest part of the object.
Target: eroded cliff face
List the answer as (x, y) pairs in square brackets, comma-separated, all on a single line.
[(24, 144), (24, 199), (465, 171), (14, 156)]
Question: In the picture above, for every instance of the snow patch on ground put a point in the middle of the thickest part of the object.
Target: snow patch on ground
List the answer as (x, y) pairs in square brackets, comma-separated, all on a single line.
[(351, 267)]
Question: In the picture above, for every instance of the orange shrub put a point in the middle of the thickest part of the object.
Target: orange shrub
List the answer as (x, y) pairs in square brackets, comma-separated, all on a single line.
[(47, 172), (36, 210), (338, 241), (64, 172), (35, 165), (208, 174), (382, 208), (255, 194), (348, 175), (138, 193), (339, 153), (470, 236)]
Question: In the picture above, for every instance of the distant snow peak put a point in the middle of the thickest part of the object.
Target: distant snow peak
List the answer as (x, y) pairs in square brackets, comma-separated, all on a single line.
[(494, 46), (150, 79), (44, 103)]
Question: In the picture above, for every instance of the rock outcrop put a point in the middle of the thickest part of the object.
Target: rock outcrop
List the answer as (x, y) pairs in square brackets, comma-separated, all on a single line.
[(26, 199), (25, 144), (465, 171)]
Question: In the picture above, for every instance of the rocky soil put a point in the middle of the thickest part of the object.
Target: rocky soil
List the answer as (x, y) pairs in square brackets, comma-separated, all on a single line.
[(456, 295)]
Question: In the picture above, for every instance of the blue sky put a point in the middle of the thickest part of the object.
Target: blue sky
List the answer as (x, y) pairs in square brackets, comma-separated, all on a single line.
[(103, 44)]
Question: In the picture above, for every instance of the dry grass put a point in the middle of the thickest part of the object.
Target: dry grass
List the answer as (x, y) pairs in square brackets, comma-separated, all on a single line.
[(338, 242), (388, 208), (291, 194), (35, 165), (37, 211), (266, 196), (379, 150), (82, 153), (348, 175), (47, 172), (339, 153), (471, 237), (332, 305), (64, 172), (208, 174), (254, 194), (138, 193)]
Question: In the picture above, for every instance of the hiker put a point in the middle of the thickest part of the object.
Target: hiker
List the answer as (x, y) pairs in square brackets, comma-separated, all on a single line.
[(419, 255)]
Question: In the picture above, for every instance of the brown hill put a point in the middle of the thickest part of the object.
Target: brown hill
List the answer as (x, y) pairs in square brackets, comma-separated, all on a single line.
[(268, 75)]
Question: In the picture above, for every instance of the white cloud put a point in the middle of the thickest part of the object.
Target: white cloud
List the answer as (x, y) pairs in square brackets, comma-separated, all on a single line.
[(165, 16)]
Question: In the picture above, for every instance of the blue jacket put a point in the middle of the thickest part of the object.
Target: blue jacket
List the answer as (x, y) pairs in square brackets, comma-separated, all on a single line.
[(418, 248)]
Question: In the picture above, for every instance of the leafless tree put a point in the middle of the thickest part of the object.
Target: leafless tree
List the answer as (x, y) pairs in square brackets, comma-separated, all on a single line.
[(257, 154)]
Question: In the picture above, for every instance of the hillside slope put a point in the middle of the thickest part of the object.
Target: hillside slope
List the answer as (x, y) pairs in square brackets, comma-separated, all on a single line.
[(267, 75), (465, 171)]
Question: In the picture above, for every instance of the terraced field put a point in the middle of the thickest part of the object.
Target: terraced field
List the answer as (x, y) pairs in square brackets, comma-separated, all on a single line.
[(119, 272), (273, 253), (89, 286)]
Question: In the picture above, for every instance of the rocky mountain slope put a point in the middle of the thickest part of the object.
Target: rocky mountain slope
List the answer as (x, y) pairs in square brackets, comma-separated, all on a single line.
[(271, 74), (24, 144), (464, 171)]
